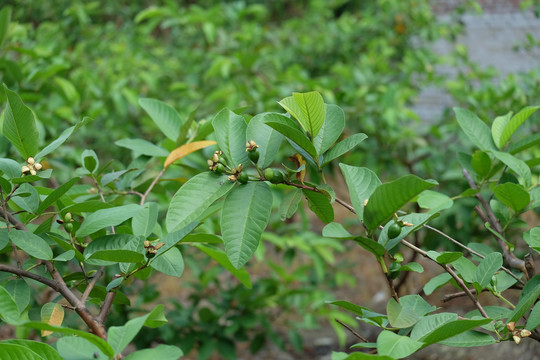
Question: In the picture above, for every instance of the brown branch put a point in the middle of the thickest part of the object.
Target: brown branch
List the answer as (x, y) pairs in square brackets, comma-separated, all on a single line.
[(105, 307), (96, 327), (508, 256), (30, 275), (471, 251), (352, 331), (452, 273), (91, 285)]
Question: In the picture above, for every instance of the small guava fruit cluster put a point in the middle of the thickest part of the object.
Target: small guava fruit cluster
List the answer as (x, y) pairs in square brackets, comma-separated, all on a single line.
[(218, 164), (67, 221), (31, 166), (517, 334)]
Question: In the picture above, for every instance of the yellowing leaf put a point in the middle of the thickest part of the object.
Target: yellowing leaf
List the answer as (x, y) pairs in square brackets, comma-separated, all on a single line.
[(186, 149), (51, 314), (299, 161)]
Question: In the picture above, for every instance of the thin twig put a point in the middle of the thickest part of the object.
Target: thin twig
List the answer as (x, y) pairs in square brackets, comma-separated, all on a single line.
[(91, 285), (508, 256), (352, 331), (154, 182), (452, 273), (471, 251)]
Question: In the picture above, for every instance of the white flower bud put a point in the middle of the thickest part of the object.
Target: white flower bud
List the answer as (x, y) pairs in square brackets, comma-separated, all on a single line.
[(38, 166), (30, 161)]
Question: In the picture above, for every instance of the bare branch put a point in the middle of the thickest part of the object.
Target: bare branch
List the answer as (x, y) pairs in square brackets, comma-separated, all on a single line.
[(352, 331)]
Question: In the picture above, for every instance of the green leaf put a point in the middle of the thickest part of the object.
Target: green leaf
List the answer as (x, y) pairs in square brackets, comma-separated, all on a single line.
[(77, 348), (436, 328), (113, 176), (534, 318), (18, 352), (114, 248), (320, 205), (434, 201), (313, 112), (144, 221), (466, 268), (221, 258), (120, 336), (170, 263), (399, 316), (512, 195), (230, 130), (10, 168), (524, 144), (396, 346), (516, 165), (142, 147), (96, 340), (164, 116), (289, 205), (415, 303), (448, 257), (291, 131), (27, 198), (481, 163), (510, 126), (497, 128), (469, 339), (370, 245), (86, 207), (194, 197), (337, 231), (107, 217), (9, 311), (528, 296), (62, 138), (20, 291), (5, 18), (308, 109), (32, 244), (114, 283), (436, 282), (46, 351), (388, 198), (487, 268), (361, 182), (90, 160), (31, 178), (475, 129), (55, 195), (332, 128), (20, 126), (175, 237), (355, 309), (159, 352), (342, 147), (244, 217), (268, 139), (359, 356), (494, 312)]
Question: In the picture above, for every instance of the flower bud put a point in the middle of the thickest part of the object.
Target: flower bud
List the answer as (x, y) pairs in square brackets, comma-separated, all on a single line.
[(150, 254), (511, 326), (30, 161), (159, 246), (68, 217), (517, 339), (25, 169), (231, 178), (210, 162), (525, 333), (215, 158), (33, 172), (146, 243), (38, 166)]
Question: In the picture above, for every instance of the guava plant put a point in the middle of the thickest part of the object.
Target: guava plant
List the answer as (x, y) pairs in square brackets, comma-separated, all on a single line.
[(85, 238)]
